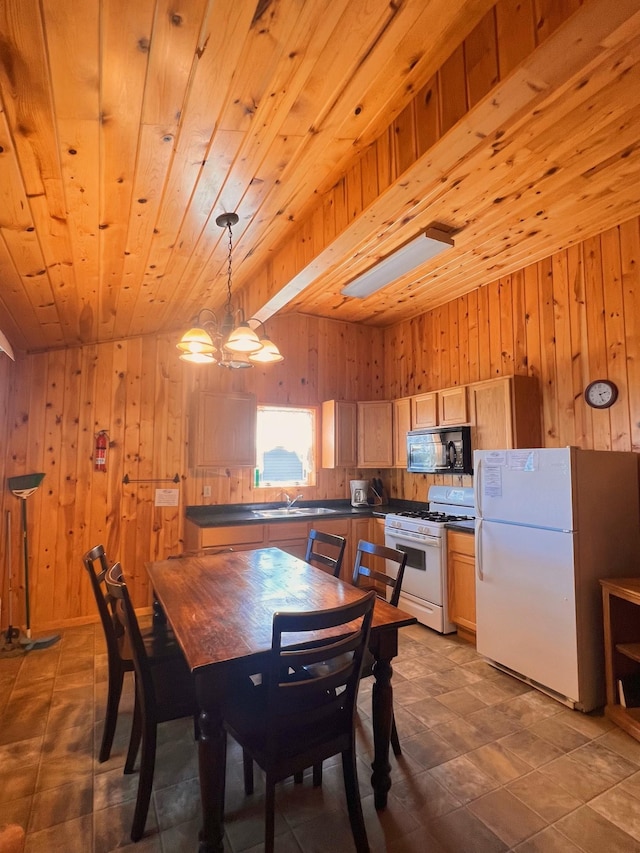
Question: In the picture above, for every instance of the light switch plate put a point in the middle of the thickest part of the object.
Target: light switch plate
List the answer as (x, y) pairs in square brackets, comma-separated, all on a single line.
[(206, 491)]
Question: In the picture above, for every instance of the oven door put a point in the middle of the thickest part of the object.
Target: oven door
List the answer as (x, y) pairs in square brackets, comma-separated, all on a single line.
[(423, 573)]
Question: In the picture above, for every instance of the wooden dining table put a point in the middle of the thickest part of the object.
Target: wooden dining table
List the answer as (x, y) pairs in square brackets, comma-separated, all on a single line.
[(221, 609)]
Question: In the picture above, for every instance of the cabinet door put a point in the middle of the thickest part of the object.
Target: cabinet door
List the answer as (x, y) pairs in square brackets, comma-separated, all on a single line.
[(424, 410), (505, 413), (461, 581), (241, 537), (375, 434), (452, 406), (490, 405), (338, 527), (290, 536), (401, 426), (373, 532), (360, 529), (339, 434), (222, 430), (376, 528)]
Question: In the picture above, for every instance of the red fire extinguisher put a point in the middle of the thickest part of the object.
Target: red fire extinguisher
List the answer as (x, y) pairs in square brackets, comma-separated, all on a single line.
[(100, 457)]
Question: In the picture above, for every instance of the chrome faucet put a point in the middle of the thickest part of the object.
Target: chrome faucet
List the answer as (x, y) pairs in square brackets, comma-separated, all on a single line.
[(290, 501)]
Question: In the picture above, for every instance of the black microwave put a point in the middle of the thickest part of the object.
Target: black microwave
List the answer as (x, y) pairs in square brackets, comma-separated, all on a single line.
[(446, 450)]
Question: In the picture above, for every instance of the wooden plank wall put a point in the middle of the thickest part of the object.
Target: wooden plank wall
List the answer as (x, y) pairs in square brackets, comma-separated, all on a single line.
[(569, 319), (53, 404)]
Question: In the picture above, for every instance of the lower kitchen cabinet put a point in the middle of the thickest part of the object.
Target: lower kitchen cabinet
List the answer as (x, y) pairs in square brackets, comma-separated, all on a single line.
[(373, 532), (461, 581), (339, 527), (242, 537), (377, 530), (290, 536)]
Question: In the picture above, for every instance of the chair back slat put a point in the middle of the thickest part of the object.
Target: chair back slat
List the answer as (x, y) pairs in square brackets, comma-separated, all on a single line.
[(317, 544), (368, 550)]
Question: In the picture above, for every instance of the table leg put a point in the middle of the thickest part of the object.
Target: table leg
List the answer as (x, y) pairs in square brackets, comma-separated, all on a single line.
[(382, 708), (212, 747)]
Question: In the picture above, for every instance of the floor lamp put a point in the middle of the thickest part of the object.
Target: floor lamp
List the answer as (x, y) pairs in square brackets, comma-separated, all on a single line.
[(23, 487)]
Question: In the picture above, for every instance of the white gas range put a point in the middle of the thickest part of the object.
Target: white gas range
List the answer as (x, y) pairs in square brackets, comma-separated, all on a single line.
[(423, 536)]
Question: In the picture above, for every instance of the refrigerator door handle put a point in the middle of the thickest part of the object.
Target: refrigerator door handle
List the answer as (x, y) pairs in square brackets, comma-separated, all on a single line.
[(477, 489), (479, 572)]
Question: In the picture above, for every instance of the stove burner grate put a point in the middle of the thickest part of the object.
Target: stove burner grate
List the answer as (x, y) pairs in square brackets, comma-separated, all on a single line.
[(431, 515)]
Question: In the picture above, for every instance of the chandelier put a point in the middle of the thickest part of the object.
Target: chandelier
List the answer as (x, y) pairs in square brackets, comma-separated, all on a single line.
[(232, 342)]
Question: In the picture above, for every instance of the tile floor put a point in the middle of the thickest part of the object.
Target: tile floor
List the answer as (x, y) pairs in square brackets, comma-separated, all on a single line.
[(488, 765)]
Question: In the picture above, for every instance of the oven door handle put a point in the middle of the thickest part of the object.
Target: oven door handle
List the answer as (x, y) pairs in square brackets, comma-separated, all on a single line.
[(427, 542)]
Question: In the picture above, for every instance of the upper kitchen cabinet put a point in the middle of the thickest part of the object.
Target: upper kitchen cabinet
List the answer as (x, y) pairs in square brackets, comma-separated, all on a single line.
[(505, 413), (424, 410), (375, 434), (452, 406), (339, 434), (402, 423), (222, 431)]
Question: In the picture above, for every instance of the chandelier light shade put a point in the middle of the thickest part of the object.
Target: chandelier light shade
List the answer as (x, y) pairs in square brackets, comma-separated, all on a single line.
[(242, 339), (269, 354), (231, 343)]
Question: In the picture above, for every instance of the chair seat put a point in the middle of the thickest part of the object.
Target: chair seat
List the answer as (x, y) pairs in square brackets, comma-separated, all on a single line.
[(173, 688), (245, 713)]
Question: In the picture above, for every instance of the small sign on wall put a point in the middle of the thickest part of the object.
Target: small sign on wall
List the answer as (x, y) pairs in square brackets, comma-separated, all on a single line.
[(167, 497)]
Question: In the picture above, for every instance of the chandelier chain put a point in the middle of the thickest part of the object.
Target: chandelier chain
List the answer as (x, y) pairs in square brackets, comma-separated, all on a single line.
[(229, 270)]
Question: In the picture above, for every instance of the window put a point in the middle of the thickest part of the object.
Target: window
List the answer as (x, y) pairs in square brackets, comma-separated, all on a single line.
[(285, 445)]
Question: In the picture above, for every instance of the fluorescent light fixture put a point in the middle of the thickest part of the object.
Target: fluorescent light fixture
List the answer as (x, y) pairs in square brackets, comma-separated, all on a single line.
[(403, 260)]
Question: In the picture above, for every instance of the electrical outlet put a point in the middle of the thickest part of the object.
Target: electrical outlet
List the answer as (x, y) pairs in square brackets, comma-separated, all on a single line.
[(206, 491)]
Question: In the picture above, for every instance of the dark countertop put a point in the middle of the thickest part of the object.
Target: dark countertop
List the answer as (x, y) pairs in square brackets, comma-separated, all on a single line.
[(222, 515), (462, 526)]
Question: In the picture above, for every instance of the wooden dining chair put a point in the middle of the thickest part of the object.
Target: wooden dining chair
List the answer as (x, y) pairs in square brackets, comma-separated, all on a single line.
[(119, 659), (158, 639), (318, 544), (378, 580), (286, 724), (164, 691), (366, 577)]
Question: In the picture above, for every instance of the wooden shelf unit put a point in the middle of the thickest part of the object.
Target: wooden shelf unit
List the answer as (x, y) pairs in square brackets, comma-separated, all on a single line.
[(620, 603)]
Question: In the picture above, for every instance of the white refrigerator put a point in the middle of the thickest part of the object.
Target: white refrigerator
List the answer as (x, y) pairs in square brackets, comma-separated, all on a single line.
[(549, 524)]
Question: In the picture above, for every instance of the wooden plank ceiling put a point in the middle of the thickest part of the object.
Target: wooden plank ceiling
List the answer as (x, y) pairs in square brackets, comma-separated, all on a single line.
[(336, 129)]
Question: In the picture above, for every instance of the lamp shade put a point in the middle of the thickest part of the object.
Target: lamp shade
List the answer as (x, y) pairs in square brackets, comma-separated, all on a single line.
[(269, 354), (196, 341), (242, 339)]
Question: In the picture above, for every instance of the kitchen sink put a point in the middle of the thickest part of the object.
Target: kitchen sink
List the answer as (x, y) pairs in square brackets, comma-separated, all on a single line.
[(283, 512)]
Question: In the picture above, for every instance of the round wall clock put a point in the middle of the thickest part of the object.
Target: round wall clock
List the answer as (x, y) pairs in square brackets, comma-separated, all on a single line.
[(601, 394)]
